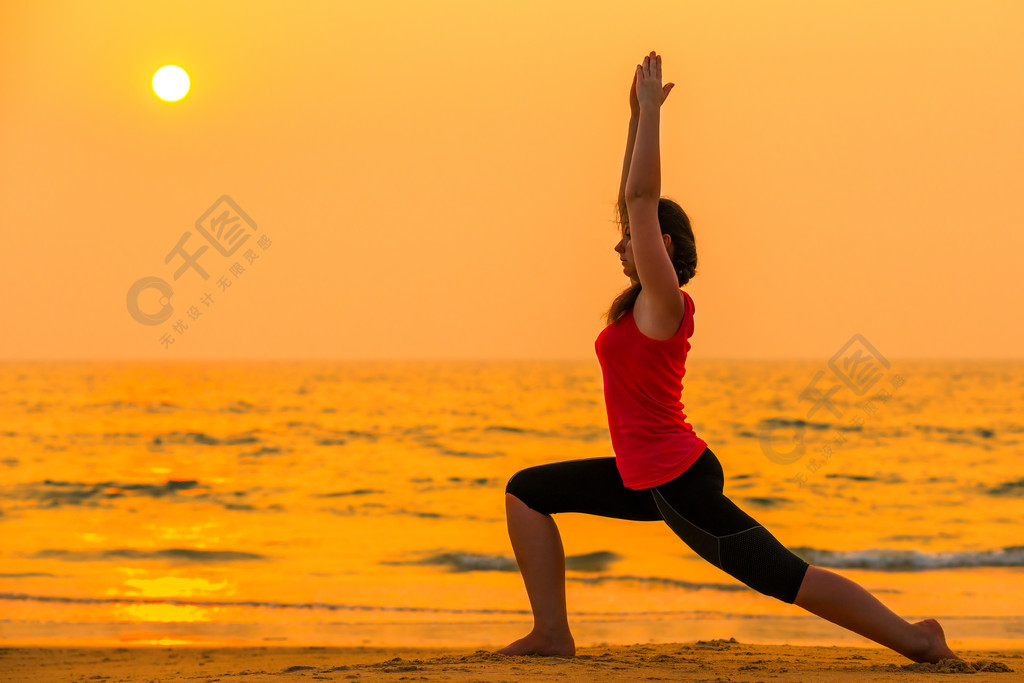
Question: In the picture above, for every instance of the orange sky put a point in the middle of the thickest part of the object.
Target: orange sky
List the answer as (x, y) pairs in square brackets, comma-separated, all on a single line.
[(437, 179)]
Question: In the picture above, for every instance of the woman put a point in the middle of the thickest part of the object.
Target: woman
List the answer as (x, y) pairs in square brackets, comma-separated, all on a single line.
[(662, 470)]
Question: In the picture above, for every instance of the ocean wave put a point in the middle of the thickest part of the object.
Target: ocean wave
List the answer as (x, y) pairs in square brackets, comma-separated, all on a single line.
[(588, 434), (872, 559), (374, 510), (353, 492), (51, 493), (912, 560), (179, 554), (968, 431), (1007, 488), (203, 439), (885, 479), (469, 562)]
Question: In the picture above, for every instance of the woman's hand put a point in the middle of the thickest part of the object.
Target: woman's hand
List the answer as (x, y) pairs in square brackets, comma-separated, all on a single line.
[(647, 88)]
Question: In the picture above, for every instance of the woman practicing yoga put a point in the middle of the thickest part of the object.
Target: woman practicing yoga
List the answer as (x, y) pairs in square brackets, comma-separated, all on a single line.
[(662, 471)]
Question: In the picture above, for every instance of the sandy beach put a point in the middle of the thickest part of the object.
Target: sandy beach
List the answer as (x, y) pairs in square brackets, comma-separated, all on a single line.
[(701, 660)]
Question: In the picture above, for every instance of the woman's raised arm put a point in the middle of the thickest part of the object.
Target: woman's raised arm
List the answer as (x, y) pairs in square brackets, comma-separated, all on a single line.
[(634, 122)]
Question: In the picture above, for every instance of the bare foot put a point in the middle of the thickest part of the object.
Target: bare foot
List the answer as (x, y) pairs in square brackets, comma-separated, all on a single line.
[(561, 645), (937, 648)]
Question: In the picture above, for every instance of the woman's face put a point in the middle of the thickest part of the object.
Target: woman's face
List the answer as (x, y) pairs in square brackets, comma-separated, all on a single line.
[(625, 251)]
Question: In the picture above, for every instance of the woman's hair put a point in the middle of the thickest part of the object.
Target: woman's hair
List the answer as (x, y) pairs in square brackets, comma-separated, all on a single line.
[(673, 221)]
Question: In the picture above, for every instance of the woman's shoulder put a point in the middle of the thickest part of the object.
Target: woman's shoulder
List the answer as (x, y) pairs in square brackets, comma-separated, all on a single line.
[(660, 325)]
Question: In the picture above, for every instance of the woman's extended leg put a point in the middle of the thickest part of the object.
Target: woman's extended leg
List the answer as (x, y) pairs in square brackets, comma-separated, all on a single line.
[(844, 602), (695, 508), (591, 486)]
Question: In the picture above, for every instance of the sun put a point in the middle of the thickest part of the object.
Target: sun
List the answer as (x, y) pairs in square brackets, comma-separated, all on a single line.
[(170, 83)]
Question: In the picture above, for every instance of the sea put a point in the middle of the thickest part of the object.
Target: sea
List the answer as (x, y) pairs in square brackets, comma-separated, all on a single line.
[(325, 503)]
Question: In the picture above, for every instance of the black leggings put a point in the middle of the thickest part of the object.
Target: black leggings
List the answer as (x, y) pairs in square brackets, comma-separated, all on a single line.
[(692, 504)]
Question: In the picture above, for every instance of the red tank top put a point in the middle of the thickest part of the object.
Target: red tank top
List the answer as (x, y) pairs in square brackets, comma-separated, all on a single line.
[(643, 384)]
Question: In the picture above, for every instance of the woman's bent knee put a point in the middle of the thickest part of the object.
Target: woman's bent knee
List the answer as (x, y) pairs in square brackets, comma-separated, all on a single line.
[(522, 485), (514, 485)]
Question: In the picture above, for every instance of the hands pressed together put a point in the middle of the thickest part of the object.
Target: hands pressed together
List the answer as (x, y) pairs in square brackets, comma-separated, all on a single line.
[(647, 89), (641, 173)]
